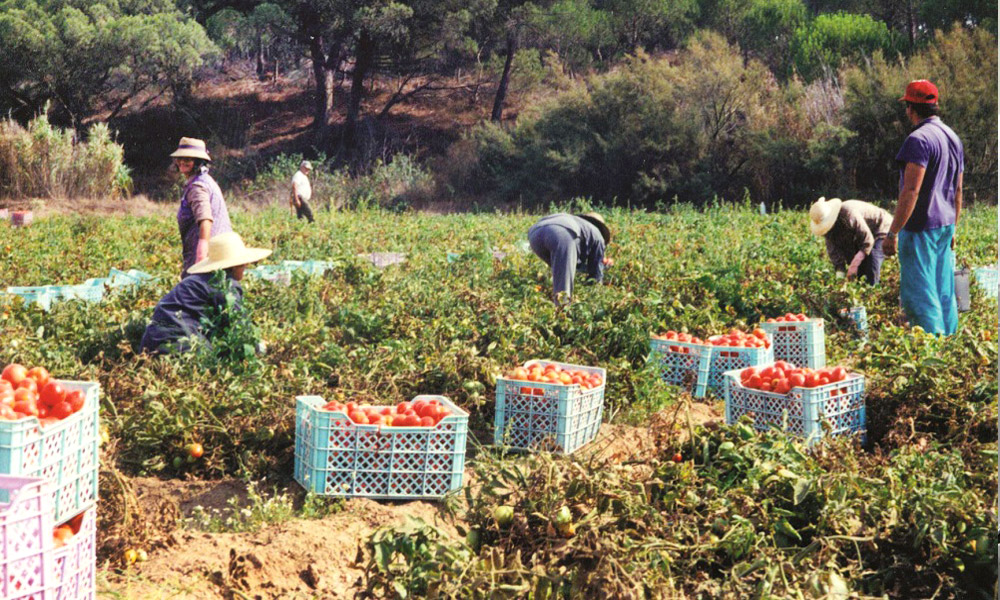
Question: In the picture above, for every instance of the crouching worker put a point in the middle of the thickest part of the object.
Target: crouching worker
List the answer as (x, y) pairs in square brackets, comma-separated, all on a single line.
[(854, 232), (567, 242), (203, 304)]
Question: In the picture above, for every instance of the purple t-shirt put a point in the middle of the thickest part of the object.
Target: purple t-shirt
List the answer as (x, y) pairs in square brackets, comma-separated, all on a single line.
[(934, 146)]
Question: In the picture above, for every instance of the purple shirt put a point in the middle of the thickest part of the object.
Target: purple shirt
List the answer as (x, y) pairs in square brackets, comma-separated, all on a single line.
[(934, 146), (188, 223)]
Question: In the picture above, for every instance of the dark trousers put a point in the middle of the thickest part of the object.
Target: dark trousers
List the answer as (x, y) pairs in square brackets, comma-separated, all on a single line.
[(871, 267), (303, 210)]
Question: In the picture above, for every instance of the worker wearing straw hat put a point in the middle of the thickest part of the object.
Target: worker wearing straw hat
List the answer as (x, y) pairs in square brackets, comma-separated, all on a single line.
[(931, 163), (179, 317), (854, 233), (567, 242), (202, 213)]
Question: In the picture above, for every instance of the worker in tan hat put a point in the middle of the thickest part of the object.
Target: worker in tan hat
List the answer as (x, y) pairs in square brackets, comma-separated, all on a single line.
[(212, 292), (567, 242), (854, 233), (202, 213)]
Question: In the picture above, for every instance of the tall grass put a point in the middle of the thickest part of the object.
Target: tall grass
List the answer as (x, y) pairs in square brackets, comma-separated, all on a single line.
[(45, 161)]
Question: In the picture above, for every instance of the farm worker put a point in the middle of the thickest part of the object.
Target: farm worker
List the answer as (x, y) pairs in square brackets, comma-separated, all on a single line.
[(930, 201), (567, 242), (302, 192), (202, 213), (854, 232), (211, 291)]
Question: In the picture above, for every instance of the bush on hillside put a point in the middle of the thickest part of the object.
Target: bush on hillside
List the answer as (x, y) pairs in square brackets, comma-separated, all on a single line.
[(44, 161)]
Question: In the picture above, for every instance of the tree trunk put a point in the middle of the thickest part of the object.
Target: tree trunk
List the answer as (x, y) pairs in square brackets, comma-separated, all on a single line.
[(498, 101), (260, 57), (323, 105), (363, 59)]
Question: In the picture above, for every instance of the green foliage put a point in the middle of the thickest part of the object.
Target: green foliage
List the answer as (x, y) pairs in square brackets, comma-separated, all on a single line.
[(822, 45), (85, 54), (767, 28), (43, 161), (963, 64)]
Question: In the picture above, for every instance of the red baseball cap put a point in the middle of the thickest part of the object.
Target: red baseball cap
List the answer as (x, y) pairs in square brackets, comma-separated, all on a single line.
[(921, 91)]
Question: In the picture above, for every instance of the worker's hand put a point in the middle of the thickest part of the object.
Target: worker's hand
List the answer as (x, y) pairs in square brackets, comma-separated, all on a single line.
[(852, 271), (953, 242), (201, 252), (607, 262), (889, 245)]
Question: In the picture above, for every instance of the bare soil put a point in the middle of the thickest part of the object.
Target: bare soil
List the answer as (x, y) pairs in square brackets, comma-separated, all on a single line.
[(304, 558)]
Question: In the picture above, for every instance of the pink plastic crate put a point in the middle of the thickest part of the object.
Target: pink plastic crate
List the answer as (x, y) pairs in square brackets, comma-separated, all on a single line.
[(75, 564), (25, 538)]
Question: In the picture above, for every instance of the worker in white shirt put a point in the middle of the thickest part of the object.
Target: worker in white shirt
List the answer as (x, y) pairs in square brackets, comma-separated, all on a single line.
[(302, 192)]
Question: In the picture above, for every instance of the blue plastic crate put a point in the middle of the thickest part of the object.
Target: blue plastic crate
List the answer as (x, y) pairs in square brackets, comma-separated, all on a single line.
[(858, 316), (335, 456), (39, 295), (64, 453), (801, 411), (986, 277), (683, 364), (132, 277), (725, 358), (545, 416), (86, 293), (26, 547), (802, 343)]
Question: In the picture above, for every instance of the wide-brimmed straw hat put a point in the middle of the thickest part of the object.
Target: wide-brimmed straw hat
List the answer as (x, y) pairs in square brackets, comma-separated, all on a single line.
[(191, 148), (227, 250), (598, 222), (823, 215)]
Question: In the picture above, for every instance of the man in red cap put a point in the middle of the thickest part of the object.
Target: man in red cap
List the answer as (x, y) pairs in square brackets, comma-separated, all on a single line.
[(930, 201)]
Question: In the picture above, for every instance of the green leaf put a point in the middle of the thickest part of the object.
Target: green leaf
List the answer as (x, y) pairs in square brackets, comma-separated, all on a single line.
[(801, 489)]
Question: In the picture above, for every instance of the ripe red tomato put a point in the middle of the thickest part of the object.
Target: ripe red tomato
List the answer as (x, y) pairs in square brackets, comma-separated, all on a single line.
[(27, 408), (14, 373), (796, 380), (678, 457), (28, 383), (40, 375), (195, 450), (839, 374), (60, 411), (7, 413), (402, 407), (76, 399), (427, 421), (75, 523), (52, 394), (358, 417)]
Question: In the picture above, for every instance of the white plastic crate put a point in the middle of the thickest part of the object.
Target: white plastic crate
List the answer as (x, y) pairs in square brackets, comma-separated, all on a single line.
[(987, 279), (801, 343), (801, 411), (337, 457), (25, 538), (545, 416), (64, 453), (75, 564)]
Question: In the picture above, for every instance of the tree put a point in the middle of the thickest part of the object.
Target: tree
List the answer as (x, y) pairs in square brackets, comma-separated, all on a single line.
[(95, 55), (829, 39), (651, 24)]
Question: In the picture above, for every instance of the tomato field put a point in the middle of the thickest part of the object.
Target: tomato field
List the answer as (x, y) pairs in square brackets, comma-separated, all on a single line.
[(703, 510)]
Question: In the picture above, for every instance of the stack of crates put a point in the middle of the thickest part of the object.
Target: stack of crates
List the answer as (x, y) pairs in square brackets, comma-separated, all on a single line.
[(531, 415), (64, 455), (700, 368), (338, 457), (802, 411), (802, 343), (986, 277)]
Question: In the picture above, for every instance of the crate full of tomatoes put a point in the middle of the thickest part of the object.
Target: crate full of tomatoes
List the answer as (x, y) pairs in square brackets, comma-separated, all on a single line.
[(798, 339), (700, 365), (412, 450), (49, 429), (546, 405), (74, 558), (802, 401)]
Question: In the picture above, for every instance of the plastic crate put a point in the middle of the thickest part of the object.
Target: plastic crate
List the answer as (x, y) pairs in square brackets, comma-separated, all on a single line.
[(86, 293), (802, 343), (25, 538), (64, 453), (384, 259), (802, 411), (704, 364), (545, 416), (75, 564), (986, 277), (858, 316), (683, 364), (117, 278), (33, 295), (335, 456), (20, 218)]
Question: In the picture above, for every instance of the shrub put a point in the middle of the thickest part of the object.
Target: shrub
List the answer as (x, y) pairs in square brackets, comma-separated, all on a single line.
[(44, 161), (820, 46)]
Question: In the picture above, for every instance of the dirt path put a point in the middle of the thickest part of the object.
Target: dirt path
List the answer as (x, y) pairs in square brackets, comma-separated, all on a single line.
[(298, 558)]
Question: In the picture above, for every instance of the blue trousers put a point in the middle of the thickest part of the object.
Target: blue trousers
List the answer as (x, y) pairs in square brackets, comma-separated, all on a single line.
[(927, 279), (557, 247)]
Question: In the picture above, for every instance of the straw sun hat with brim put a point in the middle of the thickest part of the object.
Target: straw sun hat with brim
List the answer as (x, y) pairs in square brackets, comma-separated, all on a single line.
[(598, 222), (227, 250), (191, 148), (823, 215)]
